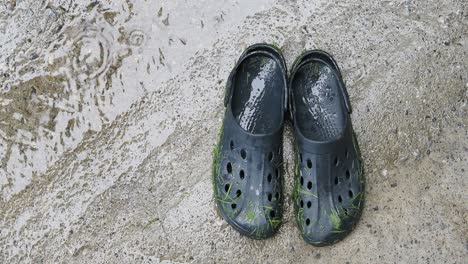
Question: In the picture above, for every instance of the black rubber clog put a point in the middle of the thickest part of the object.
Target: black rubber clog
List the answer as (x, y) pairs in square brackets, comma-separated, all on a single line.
[(248, 159), (329, 183)]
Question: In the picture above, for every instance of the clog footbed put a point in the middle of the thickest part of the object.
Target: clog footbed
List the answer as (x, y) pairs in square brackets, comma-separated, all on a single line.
[(329, 183), (248, 159)]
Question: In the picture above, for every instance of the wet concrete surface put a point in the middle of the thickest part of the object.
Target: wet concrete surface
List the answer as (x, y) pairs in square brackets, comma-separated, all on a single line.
[(110, 111)]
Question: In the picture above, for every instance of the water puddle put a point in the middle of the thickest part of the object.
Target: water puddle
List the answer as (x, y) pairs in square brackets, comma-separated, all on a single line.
[(67, 69)]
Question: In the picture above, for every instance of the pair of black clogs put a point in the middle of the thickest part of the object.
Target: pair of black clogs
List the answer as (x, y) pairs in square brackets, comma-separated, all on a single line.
[(248, 160)]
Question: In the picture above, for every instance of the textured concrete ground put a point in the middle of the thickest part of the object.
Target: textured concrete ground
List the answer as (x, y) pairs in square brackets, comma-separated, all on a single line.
[(110, 111)]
